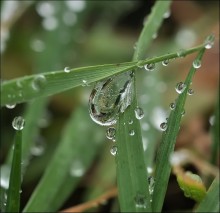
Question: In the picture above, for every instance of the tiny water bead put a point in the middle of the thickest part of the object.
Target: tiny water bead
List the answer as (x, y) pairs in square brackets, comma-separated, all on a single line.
[(163, 126), (165, 62), (180, 87), (181, 53), (209, 41), (77, 169), (140, 201), (139, 113), (167, 14), (172, 106), (110, 133), (190, 92), (149, 67), (132, 132), (130, 121), (197, 63), (18, 123), (10, 106), (151, 183), (84, 83), (114, 150), (66, 69), (183, 112), (39, 82)]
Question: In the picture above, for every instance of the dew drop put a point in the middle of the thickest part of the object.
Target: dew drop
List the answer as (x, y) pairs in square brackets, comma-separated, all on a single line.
[(110, 133), (183, 112), (212, 120), (132, 132), (10, 106), (130, 121), (77, 169), (139, 113), (149, 170), (167, 14), (5, 174), (165, 62), (149, 67), (85, 83), (190, 92), (172, 106), (67, 69), (140, 201), (39, 147), (209, 41), (196, 63), (163, 126), (151, 183), (114, 150), (154, 35), (181, 53), (39, 82), (180, 87), (18, 123)]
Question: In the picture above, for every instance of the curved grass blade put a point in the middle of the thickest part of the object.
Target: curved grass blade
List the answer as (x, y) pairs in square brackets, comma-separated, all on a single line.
[(13, 194), (211, 201), (131, 170), (163, 167), (67, 165)]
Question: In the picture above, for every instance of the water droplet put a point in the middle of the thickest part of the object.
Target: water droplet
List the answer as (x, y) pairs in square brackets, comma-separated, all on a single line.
[(190, 92), (181, 53), (149, 67), (39, 147), (154, 35), (130, 121), (10, 106), (67, 69), (183, 112), (140, 201), (163, 126), (77, 169), (167, 14), (212, 120), (196, 63), (85, 83), (132, 132), (18, 123), (180, 87), (151, 183), (114, 150), (110, 133), (39, 82), (165, 62), (5, 174), (139, 113), (149, 170), (50, 23), (20, 191), (209, 41), (172, 106), (109, 98)]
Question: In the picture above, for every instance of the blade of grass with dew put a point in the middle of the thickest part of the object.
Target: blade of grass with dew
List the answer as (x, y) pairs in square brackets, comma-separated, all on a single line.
[(210, 203), (131, 170), (13, 194), (163, 167), (215, 135), (27, 88), (67, 165)]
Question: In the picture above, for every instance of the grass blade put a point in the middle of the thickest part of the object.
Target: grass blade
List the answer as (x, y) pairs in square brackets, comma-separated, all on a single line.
[(211, 201), (131, 170), (13, 195), (168, 143), (57, 182)]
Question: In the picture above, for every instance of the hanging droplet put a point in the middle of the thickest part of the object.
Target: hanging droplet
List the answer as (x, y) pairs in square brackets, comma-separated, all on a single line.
[(139, 113), (132, 132), (151, 183), (18, 123), (140, 201), (149, 67), (10, 106), (110, 133), (197, 63), (39, 82), (183, 112), (209, 41), (172, 106), (190, 92), (114, 150), (165, 62), (67, 69), (163, 126), (180, 87)]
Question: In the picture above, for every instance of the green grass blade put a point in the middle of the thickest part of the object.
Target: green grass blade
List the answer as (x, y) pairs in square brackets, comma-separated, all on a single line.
[(163, 167), (13, 194), (131, 170), (211, 201), (78, 145)]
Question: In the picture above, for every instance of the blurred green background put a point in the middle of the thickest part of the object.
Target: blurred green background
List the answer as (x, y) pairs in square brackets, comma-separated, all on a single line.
[(42, 36)]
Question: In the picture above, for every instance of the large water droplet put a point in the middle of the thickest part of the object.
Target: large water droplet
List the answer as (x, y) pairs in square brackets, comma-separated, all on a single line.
[(190, 92), (10, 106), (149, 67), (139, 113), (114, 150), (209, 41), (67, 69), (197, 63), (172, 106), (132, 132), (140, 201), (77, 169), (18, 123), (180, 87), (165, 62), (163, 126), (109, 98), (110, 133), (39, 82)]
